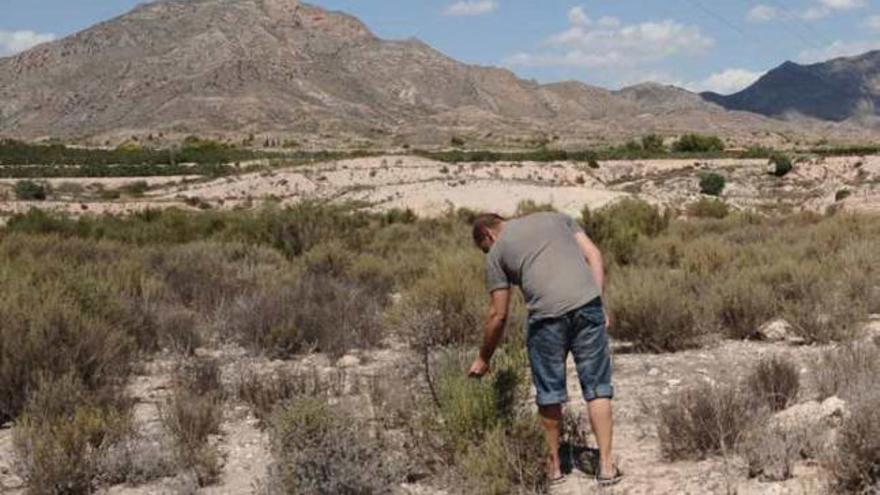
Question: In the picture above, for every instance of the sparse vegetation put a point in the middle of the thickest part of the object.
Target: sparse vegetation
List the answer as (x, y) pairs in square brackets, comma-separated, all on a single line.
[(708, 208), (698, 143), (86, 298)]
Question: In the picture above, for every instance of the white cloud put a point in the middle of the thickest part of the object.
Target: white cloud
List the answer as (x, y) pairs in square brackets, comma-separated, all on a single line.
[(726, 82), (762, 13), (824, 8), (873, 22), (838, 49), (611, 44), (12, 42), (472, 7), (843, 4)]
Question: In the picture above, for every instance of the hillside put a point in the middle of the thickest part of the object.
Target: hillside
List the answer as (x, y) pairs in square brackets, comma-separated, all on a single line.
[(296, 71), (836, 90)]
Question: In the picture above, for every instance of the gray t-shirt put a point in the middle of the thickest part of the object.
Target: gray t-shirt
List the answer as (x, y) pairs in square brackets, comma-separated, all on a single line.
[(539, 254)]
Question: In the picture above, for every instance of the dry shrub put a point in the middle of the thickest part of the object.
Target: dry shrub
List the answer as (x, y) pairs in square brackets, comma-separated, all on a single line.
[(48, 334), (771, 453), (64, 432), (315, 313), (855, 466), (264, 392), (320, 450), (774, 382), (654, 309), (708, 208), (846, 371), (704, 420), (192, 414), (508, 460), (449, 302), (740, 305)]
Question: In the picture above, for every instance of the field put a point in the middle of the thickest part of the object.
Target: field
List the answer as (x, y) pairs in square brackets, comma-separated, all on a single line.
[(304, 327)]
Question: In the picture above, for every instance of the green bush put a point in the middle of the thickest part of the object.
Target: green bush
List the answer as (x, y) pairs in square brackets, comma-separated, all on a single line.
[(855, 466), (781, 164), (28, 190), (698, 143), (619, 227), (654, 309), (712, 183), (708, 208), (448, 304)]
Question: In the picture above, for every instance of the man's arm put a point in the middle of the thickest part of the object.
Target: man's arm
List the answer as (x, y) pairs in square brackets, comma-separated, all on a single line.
[(597, 266), (493, 330), (594, 258)]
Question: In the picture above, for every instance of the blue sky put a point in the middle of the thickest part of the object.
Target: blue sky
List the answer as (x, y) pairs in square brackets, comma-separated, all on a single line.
[(721, 45)]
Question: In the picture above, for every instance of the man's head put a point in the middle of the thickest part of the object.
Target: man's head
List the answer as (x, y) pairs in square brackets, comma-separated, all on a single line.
[(487, 228)]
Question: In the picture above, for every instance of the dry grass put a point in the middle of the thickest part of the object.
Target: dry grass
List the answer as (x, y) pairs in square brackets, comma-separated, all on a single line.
[(192, 415), (774, 382), (704, 420), (321, 450)]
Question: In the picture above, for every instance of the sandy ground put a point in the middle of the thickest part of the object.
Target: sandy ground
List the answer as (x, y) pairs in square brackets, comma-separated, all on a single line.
[(430, 188)]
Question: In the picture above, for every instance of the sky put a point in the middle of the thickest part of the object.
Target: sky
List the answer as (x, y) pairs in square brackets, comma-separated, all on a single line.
[(717, 45)]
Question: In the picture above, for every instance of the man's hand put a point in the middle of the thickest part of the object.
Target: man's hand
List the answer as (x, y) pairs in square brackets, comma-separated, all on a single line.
[(479, 368), (609, 321)]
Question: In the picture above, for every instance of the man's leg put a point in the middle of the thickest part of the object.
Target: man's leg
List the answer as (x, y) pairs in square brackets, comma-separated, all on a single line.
[(547, 350), (551, 421), (603, 427), (592, 357)]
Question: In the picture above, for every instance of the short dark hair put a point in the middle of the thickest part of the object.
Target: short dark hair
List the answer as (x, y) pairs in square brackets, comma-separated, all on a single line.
[(482, 224)]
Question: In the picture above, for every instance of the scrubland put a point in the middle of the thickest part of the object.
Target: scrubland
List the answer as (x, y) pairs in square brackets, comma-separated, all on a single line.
[(89, 302)]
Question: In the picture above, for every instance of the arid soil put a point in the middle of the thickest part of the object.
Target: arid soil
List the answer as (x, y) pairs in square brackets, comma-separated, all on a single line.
[(430, 187), (641, 381)]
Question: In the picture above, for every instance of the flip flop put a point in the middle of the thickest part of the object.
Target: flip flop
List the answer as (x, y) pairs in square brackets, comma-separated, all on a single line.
[(610, 480)]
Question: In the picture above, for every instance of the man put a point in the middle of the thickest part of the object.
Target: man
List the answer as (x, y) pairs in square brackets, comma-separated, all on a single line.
[(560, 272)]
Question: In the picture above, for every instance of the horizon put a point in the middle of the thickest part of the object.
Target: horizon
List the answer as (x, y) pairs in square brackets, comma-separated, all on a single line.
[(699, 48)]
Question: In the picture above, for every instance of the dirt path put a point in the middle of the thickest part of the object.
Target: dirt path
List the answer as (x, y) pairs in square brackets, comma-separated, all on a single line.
[(641, 381)]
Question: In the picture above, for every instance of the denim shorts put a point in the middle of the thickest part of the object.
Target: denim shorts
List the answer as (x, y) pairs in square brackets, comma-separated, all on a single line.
[(581, 332)]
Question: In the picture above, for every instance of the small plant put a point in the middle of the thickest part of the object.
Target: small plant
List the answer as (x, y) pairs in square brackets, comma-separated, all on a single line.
[(712, 183), (842, 194), (782, 164), (704, 420), (775, 382), (28, 190), (456, 141), (593, 163), (192, 414)]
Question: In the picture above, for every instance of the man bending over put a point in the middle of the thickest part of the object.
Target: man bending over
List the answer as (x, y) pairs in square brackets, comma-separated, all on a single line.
[(560, 272)]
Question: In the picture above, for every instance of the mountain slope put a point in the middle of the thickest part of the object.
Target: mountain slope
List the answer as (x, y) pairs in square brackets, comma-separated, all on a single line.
[(235, 67), (836, 90)]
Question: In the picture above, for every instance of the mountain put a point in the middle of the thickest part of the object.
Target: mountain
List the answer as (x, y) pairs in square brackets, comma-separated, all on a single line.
[(836, 90), (280, 67)]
